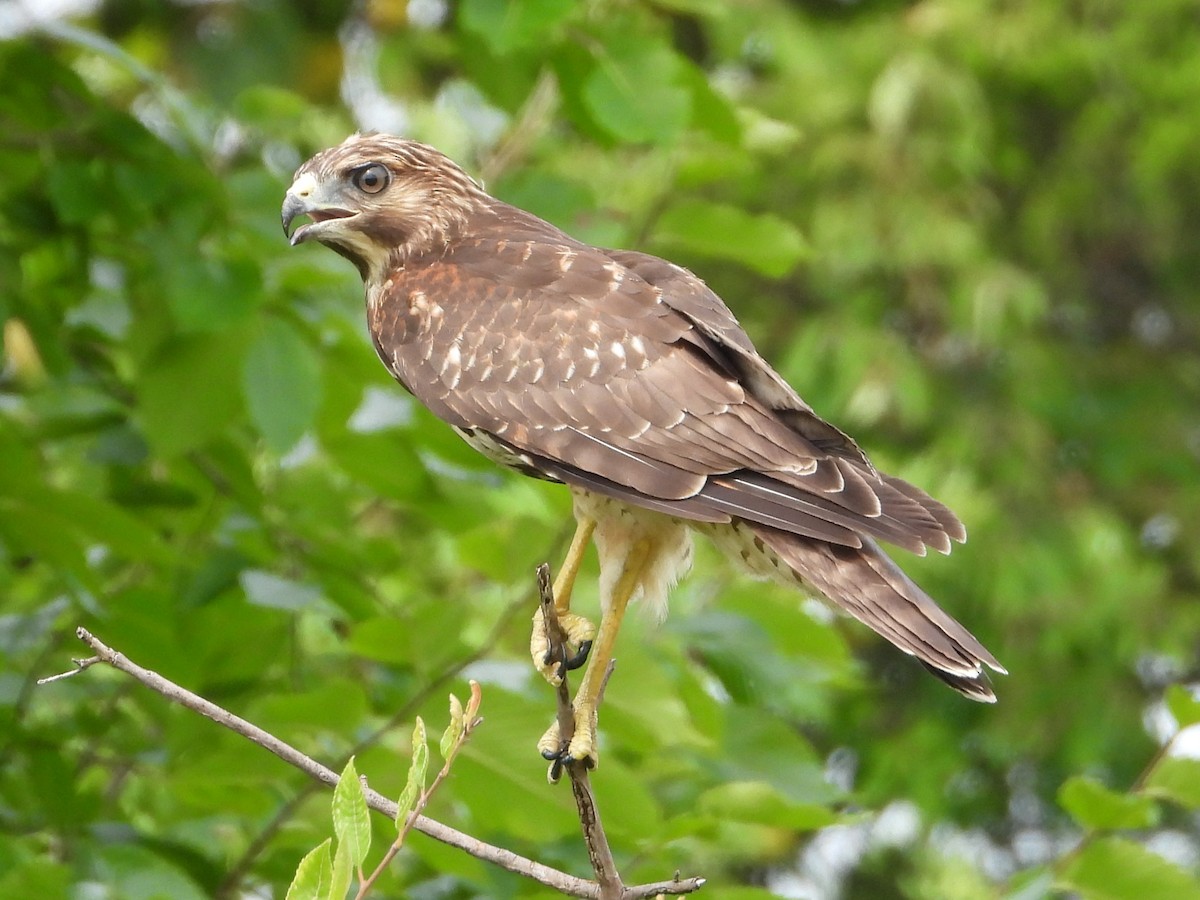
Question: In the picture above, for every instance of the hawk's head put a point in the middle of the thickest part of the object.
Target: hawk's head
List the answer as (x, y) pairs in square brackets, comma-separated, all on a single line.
[(379, 200)]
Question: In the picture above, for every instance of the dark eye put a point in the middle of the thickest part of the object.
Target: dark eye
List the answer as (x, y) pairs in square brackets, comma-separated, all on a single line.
[(371, 179)]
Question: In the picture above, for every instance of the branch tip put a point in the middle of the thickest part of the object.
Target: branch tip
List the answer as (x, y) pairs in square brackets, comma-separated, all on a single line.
[(80, 665)]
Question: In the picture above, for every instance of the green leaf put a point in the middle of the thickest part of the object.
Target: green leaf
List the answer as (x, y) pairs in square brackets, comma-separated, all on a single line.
[(384, 461), (78, 191), (1183, 704), (332, 705), (106, 523), (506, 791), (37, 877), (508, 25), (382, 638), (30, 530), (764, 242), (206, 294), (554, 197), (711, 111), (1176, 779), (758, 802), (343, 873), (637, 92), (281, 380), (1118, 869), (314, 875), (189, 393), (1093, 805), (134, 872), (420, 753), (268, 105), (351, 819), (415, 785), (454, 730)]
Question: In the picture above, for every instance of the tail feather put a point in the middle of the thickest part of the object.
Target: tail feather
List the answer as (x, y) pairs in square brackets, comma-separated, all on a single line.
[(864, 582), (977, 688)]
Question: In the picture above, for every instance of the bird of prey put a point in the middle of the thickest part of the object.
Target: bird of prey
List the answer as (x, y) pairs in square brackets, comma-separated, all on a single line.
[(626, 378)]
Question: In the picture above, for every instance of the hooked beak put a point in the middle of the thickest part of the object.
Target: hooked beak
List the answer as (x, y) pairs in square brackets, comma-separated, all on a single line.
[(303, 199)]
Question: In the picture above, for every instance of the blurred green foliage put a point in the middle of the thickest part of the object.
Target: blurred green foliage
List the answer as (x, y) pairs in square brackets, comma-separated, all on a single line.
[(966, 233)]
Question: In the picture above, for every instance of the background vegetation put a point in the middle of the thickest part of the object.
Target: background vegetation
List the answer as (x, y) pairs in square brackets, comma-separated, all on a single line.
[(966, 232)]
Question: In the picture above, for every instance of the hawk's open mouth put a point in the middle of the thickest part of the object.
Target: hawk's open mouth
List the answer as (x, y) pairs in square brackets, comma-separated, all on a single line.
[(295, 207), (324, 215), (319, 217)]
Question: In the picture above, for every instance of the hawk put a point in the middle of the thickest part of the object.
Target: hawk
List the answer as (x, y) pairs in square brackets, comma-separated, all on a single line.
[(626, 378)]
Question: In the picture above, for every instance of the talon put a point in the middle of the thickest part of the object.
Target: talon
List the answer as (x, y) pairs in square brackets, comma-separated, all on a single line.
[(581, 749), (551, 746), (580, 657), (553, 662)]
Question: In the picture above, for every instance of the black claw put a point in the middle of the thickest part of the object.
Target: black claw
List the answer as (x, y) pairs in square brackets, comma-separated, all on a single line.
[(554, 775), (567, 663), (567, 759), (580, 656), (552, 755)]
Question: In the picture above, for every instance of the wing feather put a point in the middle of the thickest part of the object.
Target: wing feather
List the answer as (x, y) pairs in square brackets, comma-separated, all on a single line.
[(630, 369)]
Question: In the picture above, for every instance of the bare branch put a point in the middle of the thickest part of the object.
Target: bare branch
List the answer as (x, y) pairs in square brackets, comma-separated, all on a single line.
[(599, 851), (557, 639), (674, 887), (553, 878), (608, 885), (608, 879), (403, 713), (80, 665)]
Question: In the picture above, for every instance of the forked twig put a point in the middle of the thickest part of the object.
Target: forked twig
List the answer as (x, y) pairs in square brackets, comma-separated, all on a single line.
[(608, 884), (608, 879), (561, 881)]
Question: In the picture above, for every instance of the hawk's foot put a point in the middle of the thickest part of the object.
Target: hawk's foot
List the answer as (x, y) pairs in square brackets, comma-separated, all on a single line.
[(581, 748), (573, 654)]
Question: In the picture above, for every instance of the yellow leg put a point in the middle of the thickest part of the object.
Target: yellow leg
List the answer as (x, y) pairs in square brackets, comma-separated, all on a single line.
[(582, 747), (564, 582), (579, 630)]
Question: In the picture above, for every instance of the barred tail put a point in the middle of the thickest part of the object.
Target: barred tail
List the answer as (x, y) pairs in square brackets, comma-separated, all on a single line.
[(864, 582)]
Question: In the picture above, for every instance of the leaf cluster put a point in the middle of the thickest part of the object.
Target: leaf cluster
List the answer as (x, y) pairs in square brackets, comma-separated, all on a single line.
[(963, 231)]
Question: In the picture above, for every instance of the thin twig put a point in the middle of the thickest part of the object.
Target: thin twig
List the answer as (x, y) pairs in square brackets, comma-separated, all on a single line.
[(80, 665), (556, 637), (470, 720), (403, 713), (569, 885), (608, 879), (599, 851), (560, 881)]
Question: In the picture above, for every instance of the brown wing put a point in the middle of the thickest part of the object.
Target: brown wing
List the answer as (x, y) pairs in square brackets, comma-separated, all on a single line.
[(624, 374), (693, 298)]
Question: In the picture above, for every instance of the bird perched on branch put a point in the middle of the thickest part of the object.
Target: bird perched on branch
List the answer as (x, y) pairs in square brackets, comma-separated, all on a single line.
[(624, 377)]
